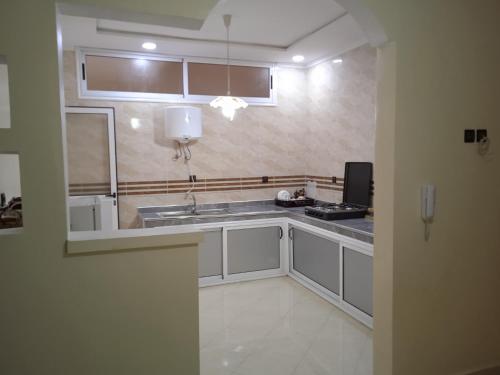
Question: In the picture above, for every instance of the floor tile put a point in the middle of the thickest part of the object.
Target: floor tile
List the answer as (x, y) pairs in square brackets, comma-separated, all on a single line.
[(276, 326), (223, 359)]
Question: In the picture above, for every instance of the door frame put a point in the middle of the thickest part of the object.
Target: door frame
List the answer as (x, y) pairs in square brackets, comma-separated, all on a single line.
[(113, 174)]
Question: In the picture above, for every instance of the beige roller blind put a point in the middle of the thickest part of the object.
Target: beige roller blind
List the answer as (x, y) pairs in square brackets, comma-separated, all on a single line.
[(246, 81), (106, 73)]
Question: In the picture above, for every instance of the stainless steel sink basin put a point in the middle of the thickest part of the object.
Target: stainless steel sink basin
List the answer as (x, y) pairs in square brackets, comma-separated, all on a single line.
[(187, 214), (212, 213)]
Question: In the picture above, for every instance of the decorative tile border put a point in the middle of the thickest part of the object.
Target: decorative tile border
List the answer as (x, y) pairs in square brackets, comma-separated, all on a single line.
[(225, 184), (208, 185), (327, 183), (98, 188)]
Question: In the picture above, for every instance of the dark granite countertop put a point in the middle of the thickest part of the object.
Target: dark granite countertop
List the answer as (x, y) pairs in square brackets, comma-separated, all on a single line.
[(360, 229)]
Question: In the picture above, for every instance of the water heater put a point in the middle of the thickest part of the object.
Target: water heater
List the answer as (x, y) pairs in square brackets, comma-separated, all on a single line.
[(183, 123)]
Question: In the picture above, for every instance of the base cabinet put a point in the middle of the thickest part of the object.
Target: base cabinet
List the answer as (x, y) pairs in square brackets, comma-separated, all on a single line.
[(338, 268), (253, 249), (317, 258)]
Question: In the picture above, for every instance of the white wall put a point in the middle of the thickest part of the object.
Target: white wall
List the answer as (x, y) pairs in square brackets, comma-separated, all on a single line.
[(436, 303), (4, 96), (10, 180)]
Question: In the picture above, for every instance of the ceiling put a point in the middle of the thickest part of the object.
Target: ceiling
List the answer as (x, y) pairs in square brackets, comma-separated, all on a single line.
[(261, 30)]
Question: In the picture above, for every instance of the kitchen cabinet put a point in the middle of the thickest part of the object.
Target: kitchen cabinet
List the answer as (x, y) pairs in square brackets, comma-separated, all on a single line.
[(210, 253), (358, 280), (338, 268), (317, 258), (253, 249)]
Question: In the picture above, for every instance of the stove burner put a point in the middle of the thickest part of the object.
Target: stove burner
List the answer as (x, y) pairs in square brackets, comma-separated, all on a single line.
[(336, 211)]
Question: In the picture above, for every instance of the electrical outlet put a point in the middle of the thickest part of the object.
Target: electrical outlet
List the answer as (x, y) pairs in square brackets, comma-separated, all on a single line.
[(480, 134), (469, 136), (265, 179), (192, 178)]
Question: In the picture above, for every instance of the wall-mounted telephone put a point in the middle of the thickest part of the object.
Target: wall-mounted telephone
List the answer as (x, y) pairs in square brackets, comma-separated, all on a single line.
[(428, 203)]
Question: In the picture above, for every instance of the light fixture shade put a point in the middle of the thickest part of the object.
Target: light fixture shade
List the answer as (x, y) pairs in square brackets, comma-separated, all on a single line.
[(183, 123), (229, 105)]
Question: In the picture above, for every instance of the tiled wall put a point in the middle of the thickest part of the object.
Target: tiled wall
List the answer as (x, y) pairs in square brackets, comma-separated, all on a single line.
[(325, 116)]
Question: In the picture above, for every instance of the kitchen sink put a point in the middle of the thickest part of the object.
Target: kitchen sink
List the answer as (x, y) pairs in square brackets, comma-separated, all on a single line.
[(188, 214), (212, 213)]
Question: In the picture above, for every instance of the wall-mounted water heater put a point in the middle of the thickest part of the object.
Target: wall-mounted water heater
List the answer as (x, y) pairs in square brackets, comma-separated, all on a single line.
[(183, 123)]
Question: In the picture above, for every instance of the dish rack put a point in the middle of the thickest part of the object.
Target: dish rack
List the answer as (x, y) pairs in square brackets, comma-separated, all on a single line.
[(295, 202)]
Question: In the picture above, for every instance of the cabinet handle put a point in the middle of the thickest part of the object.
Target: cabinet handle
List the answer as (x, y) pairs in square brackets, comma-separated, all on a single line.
[(281, 232), (290, 233)]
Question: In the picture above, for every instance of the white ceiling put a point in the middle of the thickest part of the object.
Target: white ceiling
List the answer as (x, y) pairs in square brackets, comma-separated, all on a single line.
[(261, 30)]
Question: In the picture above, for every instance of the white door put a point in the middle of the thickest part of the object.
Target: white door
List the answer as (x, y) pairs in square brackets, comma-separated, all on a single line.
[(91, 168)]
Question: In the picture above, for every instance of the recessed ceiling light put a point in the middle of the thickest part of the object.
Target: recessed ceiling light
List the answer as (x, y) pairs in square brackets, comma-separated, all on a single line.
[(337, 61), (298, 58), (149, 45)]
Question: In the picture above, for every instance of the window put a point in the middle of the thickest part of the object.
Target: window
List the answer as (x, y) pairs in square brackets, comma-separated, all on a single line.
[(132, 76), (4, 94), (246, 81), (11, 215)]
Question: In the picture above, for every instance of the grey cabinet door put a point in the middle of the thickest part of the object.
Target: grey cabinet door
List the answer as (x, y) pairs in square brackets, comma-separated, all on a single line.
[(253, 249), (317, 258), (210, 254), (358, 280)]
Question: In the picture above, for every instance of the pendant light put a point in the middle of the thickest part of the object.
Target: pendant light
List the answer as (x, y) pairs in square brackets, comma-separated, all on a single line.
[(228, 104)]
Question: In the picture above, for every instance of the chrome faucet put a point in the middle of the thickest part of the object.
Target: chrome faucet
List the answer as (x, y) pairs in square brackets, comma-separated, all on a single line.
[(194, 209)]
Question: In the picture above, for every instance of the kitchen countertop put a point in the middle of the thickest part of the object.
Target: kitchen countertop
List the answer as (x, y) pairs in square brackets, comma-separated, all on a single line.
[(360, 229)]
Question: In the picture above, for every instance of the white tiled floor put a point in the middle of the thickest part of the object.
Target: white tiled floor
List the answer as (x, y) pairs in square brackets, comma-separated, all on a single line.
[(276, 326)]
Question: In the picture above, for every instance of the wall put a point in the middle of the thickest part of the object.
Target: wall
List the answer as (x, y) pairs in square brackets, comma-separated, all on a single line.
[(436, 302), (383, 264), (116, 313), (341, 119), (325, 117)]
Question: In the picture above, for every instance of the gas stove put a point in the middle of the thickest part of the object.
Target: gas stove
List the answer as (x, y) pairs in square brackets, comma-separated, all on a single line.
[(337, 211), (356, 195)]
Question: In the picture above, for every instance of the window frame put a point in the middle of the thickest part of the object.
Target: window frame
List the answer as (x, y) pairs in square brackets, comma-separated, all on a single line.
[(85, 93), (205, 99)]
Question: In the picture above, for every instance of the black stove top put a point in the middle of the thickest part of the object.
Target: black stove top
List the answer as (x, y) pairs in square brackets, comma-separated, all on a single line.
[(336, 211)]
